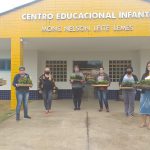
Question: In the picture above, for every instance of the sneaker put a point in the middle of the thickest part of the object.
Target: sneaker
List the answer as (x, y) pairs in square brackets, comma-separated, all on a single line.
[(107, 110), (148, 127), (100, 109), (27, 117), (75, 108), (17, 119), (131, 116), (143, 125), (78, 108)]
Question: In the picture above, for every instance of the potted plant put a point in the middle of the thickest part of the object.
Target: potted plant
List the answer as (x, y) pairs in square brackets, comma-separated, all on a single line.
[(127, 85), (76, 77), (25, 82), (143, 84), (2, 82), (103, 83), (91, 81)]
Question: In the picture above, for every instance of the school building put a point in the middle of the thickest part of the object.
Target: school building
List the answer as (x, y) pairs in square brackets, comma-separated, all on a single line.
[(59, 34)]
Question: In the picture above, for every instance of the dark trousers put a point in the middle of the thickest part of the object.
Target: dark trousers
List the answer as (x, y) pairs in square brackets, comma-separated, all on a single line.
[(77, 96), (47, 96), (102, 96)]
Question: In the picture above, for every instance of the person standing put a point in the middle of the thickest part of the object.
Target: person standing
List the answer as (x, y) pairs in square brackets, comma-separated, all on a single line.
[(22, 93), (129, 94), (145, 100), (77, 87), (46, 85), (102, 91)]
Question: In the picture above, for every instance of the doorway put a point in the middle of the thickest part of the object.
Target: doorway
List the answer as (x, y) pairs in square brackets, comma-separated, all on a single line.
[(89, 68)]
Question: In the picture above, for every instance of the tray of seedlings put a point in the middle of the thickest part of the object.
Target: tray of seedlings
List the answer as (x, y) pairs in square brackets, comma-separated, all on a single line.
[(76, 78), (127, 86), (90, 81), (25, 82), (2, 82), (103, 83), (143, 84)]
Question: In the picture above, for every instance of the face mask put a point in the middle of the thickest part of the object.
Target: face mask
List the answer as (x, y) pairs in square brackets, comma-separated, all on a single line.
[(47, 72), (22, 72), (22, 75), (101, 72), (129, 72), (148, 68), (76, 70)]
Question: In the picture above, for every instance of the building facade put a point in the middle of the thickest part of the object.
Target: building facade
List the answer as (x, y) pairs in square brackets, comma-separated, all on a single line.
[(59, 34)]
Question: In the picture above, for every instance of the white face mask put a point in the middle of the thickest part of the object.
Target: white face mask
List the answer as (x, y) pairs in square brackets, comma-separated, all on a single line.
[(101, 71), (76, 69), (148, 68)]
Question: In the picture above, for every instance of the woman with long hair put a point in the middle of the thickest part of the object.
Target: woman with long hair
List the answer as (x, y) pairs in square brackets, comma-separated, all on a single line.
[(145, 100)]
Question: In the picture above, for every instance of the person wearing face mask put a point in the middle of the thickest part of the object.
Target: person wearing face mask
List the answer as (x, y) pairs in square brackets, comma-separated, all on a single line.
[(46, 85), (77, 88), (145, 100), (102, 91), (129, 94), (22, 94)]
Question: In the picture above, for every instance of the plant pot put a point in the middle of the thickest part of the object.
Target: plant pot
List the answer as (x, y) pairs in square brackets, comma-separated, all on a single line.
[(2, 82)]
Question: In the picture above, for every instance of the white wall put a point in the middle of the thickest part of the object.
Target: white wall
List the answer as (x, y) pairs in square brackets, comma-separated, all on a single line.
[(5, 74), (104, 56), (30, 63), (35, 62)]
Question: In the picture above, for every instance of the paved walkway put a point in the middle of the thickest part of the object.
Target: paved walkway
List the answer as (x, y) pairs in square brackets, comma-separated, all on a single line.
[(65, 129)]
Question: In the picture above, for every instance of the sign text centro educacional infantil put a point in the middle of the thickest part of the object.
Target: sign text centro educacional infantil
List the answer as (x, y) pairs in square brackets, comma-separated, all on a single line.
[(87, 16)]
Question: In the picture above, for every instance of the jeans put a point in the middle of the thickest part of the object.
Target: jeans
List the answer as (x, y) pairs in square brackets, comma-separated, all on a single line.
[(129, 98), (47, 96), (102, 96), (22, 96), (77, 96)]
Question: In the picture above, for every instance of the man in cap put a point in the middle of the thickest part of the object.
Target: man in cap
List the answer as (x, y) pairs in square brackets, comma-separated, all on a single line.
[(22, 93)]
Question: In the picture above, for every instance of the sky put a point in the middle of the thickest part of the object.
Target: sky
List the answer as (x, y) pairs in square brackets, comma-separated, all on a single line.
[(6, 5)]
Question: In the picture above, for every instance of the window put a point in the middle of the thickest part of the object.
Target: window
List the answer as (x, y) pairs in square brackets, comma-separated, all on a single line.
[(58, 69), (117, 69), (93, 64), (4, 64), (88, 66)]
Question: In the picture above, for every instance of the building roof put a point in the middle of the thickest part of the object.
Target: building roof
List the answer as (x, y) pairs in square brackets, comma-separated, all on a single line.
[(19, 7)]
